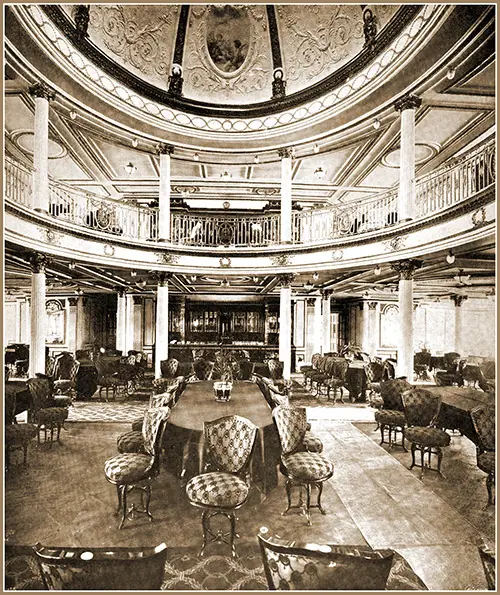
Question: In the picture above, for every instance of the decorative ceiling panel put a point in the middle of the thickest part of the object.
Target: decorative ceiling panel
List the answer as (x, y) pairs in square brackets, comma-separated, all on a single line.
[(330, 163), (117, 157), (318, 39), (65, 169), (439, 125), (381, 176), (137, 37), (483, 83), (16, 114), (227, 54)]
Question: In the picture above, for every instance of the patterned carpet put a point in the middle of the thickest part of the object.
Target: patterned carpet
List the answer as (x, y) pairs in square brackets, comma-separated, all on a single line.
[(112, 412), (185, 571)]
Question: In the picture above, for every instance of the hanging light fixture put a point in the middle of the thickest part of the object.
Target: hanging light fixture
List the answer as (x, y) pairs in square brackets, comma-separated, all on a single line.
[(376, 123), (450, 73), (319, 172), (141, 283), (133, 273), (193, 278), (196, 157), (256, 159), (72, 265), (377, 270), (450, 257), (316, 276), (130, 168), (308, 285)]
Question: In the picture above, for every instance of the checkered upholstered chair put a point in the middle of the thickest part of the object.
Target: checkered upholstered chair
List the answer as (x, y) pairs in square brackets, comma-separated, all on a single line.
[(136, 471), (17, 436), (109, 380), (374, 376), (483, 418), (314, 567), (275, 368), (421, 409), (203, 369), (44, 416), (102, 568), (67, 386), (229, 442), (169, 367), (336, 372), (307, 371), (488, 560), (391, 418), (301, 468)]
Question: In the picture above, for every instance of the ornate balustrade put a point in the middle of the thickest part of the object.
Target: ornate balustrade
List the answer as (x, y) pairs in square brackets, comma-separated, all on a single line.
[(457, 181)]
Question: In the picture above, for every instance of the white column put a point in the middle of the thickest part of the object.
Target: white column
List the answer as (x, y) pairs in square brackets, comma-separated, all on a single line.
[(25, 321), (405, 268), (318, 327), (129, 323), (38, 316), (164, 151), (72, 324), (372, 326), (138, 326), (458, 301), (120, 322), (286, 195), (81, 323), (327, 322), (161, 340), (406, 200), (365, 343), (42, 94), (285, 329)]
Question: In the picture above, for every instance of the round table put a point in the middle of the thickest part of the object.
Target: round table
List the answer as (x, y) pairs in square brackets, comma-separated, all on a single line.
[(184, 437)]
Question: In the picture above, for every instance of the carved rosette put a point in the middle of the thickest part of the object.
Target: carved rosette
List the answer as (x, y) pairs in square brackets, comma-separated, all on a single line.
[(338, 254), (39, 262), (281, 260), (166, 258), (109, 250), (458, 300), (42, 90), (406, 268), (224, 262), (407, 102), (286, 279)]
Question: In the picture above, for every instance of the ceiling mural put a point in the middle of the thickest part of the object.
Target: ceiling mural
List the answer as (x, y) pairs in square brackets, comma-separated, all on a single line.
[(318, 39), (141, 40), (227, 56)]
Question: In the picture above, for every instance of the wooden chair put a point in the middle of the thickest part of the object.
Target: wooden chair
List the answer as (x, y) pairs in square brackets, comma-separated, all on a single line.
[(483, 418), (44, 416), (391, 417), (17, 436), (102, 568)]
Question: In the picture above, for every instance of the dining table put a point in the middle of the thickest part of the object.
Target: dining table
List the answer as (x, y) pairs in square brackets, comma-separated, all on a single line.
[(456, 404), (355, 381), (184, 440)]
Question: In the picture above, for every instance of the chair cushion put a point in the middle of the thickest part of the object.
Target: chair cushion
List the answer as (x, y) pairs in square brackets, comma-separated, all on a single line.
[(128, 468), (312, 443), (137, 424), (52, 415), (131, 442), (308, 466), (333, 382), (62, 385), (427, 436), (62, 400), (217, 489), (486, 462), (390, 417), (19, 433)]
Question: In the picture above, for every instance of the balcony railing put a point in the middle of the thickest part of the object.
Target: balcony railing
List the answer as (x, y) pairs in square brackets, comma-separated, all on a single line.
[(456, 181)]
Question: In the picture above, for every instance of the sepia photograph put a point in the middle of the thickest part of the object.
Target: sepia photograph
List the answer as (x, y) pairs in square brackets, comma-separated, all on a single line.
[(249, 306)]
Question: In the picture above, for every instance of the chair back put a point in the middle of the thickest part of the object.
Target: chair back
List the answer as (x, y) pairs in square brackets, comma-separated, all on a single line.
[(264, 387), (74, 371), (165, 399), (391, 391), (451, 361), (324, 567), (203, 369), (153, 426), (489, 565), (336, 367), (291, 423), (314, 359), (63, 366), (374, 371), (245, 369), (169, 367), (102, 569), (40, 389), (483, 418), (421, 407), (422, 358), (50, 366), (230, 441), (275, 369), (130, 359)]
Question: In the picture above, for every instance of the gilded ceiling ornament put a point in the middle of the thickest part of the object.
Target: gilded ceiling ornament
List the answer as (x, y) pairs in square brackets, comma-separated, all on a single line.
[(225, 262), (281, 260), (166, 258)]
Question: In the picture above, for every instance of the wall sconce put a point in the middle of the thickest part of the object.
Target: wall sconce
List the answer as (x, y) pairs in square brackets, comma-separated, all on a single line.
[(133, 273), (450, 73), (316, 148), (319, 172), (73, 114), (316, 276), (450, 257), (72, 266), (130, 168), (196, 157), (377, 270), (376, 124)]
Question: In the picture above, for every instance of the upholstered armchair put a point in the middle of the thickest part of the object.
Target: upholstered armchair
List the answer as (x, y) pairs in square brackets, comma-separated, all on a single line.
[(102, 568), (108, 380), (391, 417), (229, 442), (17, 436), (275, 369), (374, 371), (203, 369), (336, 372), (136, 471), (483, 418), (421, 364), (421, 409), (307, 371), (43, 415), (169, 368), (311, 567), (301, 468), (67, 386)]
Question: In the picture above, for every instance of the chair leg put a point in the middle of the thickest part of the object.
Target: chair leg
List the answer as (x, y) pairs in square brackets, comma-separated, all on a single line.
[(119, 494), (288, 487), (382, 430), (124, 506), (318, 501), (413, 448), (232, 522), (422, 465), (490, 482), (308, 504), (25, 451)]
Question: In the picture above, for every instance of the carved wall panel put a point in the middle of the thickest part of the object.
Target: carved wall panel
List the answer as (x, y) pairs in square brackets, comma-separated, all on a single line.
[(227, 56), (142, 40), (316, 40)]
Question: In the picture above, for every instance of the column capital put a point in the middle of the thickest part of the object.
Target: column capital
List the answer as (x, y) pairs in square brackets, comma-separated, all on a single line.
[(326, 293), (310, 301), (39, 262), (73, 301), (41, 89), (162, 278), (286, 279), (285, 152), (120, 291), (372, 305), (406, 268), (458, 300), (164, 149), (137, 300), (407, 102)]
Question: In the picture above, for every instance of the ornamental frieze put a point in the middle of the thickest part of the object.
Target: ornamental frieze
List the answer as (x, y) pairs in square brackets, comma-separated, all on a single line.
[(166, 258), (281, 260)]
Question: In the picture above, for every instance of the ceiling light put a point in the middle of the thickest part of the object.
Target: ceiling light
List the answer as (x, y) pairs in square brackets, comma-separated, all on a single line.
[(135, 142), (256, 159), (73, 114), (185, 193), (196, 157), (141, 282), (79, 291), (316, 276), (316, 148), (255, 279), (377, 270), (450, 73), (226, 176), (72, 265), (450, 257), (462, 279), (192, 278), (133, 273), (130, 168), (319, 172), (224, 283), (308, 285), (376, 124)]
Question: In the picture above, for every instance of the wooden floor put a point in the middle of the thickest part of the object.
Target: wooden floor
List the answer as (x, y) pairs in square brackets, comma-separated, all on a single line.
[(64, 499)]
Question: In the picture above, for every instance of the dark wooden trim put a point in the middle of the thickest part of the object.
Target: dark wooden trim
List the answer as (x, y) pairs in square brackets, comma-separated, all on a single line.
[(274, 36), (181, 35)]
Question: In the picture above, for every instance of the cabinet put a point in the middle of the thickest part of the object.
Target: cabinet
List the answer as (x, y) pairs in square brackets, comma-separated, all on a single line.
[(225, 324)]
